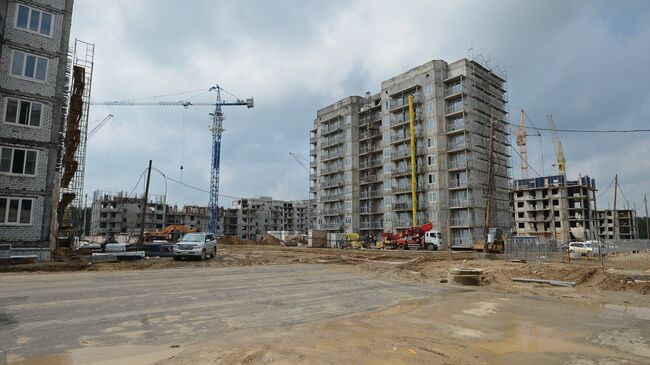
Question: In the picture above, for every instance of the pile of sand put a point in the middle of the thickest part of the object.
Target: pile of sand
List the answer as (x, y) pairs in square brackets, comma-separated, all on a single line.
[(268, 240)]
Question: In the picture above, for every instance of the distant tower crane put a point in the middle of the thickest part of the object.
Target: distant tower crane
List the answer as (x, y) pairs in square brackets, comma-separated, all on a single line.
[(99, 126), (559, 152), (302, 164), (216, 129), (521, 142)]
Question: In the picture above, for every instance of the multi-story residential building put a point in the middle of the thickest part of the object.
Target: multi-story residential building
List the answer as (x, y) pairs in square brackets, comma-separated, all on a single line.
[(34, 37), (552, 207), (360, 151), (616, 225), (252, 218), (117, 213)]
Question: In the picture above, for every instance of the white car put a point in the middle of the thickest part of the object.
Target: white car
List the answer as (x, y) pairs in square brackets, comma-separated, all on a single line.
[(583, 248), (196, 245)]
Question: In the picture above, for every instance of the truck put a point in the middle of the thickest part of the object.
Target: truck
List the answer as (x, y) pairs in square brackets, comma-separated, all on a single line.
[(414, 238)]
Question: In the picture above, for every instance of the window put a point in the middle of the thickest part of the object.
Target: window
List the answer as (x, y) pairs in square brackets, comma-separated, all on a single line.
[(348, 205), (431, 160), (348, 220), (34, 21), (387, 185), (348, 176), (348, 162), (433, 216), (28, 66), (430, 124), (388, 218), (23, 112), (428, 90), (348, 190), (388, 201), (348, 119), (15, 210), (386, 105), (387, 168), (433, 197), (387, 152), (432, 178), (429, 107), (18, 161), (431, 143)]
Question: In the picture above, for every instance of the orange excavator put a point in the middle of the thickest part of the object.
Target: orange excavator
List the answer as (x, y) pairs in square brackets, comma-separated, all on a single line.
[(170, 233)]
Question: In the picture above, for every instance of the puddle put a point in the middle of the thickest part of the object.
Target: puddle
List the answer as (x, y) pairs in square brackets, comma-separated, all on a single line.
[(484, 309), (123, 354)]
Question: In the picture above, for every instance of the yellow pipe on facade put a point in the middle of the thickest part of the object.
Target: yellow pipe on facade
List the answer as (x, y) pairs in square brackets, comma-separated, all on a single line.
[(414, 194)]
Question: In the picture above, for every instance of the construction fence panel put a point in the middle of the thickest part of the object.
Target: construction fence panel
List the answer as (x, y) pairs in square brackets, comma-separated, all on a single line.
[(532, 249), (626, 254)]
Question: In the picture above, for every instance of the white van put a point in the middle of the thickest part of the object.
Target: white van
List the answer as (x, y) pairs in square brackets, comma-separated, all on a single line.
[(433, 240)]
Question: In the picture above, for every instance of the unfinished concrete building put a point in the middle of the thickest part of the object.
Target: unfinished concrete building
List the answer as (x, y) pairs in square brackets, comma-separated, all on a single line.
[(252, 218), (360, 154), (554, 208), (616, 224), (34, 38)]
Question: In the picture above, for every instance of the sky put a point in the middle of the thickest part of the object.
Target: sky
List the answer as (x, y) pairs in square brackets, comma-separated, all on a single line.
[(584, 62)]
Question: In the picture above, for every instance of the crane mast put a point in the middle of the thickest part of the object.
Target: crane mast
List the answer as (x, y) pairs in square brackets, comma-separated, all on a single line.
[(521, 142), (559, 151)]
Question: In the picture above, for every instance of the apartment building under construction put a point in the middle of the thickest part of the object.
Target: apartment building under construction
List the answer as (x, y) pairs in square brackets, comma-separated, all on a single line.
[(361, 154), (617, 224), (252, 218), (554, 208)]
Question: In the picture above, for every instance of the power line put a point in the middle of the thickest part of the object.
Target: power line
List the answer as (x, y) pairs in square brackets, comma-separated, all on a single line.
[(188, 185), (589, 130)]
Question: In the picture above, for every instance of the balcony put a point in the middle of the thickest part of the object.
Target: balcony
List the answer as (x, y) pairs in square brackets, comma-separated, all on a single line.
[(371, 133), (371, 194), (405, 172), (454, 91), (456, 126), (458, 184), (458, 165), (331, 183), (331, 128), (460, 203), (332, 226), (313, 139), (368, 179), (407, 188), (456, 145), (370, 210), (371, 225), (332, 168), (368, 148), (329, 156), (404, 118), (404, 206), (377, 162), (327, 142), (455, 108), (403, 102), (331, 197)]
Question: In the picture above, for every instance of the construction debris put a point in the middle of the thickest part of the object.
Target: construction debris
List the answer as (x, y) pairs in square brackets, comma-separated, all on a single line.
[(542, 281)]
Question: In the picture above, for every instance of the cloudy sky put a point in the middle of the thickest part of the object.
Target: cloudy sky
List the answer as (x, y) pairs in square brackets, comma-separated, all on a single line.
[(586, 62)]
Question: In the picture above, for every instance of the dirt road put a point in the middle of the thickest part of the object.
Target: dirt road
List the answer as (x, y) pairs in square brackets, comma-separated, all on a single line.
[(275, 305)]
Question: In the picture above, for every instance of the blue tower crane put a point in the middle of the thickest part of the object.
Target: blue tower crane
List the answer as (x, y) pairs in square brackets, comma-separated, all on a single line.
[(216, 129)]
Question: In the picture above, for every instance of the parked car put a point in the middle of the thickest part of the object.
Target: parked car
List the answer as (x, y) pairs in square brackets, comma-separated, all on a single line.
[(583, 248), (196, 245)]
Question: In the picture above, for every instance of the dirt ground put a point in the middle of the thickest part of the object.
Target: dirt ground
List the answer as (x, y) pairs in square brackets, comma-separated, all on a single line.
[(498, 322)]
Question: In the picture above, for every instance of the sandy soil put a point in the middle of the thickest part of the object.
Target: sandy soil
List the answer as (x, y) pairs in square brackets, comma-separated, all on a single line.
[(604, 319)]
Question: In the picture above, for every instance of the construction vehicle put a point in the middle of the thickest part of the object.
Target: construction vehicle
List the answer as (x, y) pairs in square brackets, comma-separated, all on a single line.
[(352, 240), (171, 233), (495, 242), (414, 238)]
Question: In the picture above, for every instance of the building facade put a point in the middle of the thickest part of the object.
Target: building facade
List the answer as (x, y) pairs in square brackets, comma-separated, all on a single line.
[(360, 151), (616, 225), (554, 208), (34, 39), (252, 218)]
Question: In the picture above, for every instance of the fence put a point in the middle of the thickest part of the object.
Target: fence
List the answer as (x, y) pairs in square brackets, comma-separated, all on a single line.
[(532, 249), (622, 254)]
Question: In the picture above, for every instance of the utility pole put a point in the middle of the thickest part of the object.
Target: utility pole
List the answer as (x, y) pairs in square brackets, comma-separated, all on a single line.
[(647, 232), (614, 214), (144, 205), (85, 213), (490, 184)]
